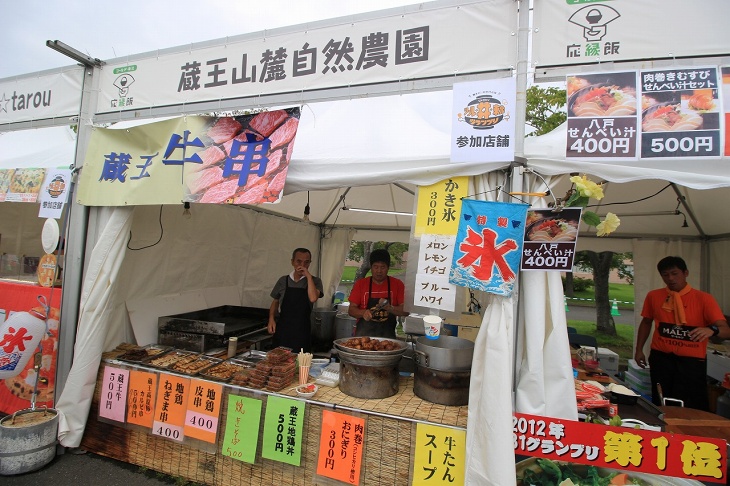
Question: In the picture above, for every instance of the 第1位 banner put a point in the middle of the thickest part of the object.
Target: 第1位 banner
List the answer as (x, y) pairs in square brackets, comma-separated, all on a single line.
[(580, 32), (217, 160)]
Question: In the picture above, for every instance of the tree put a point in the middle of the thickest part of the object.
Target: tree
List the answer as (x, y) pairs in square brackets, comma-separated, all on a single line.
[(360, 251), (601, 265), (545, 109)]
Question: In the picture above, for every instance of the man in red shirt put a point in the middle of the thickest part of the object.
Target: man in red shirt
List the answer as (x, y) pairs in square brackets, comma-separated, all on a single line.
[(376, 301), (684, 319)]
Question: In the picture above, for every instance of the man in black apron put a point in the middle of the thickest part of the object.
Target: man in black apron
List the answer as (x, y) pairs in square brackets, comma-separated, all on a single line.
[(290, 311), (377, 301)]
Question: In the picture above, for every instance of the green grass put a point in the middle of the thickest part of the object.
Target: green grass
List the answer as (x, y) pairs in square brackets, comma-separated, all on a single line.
[(348, 274), (620, 292)]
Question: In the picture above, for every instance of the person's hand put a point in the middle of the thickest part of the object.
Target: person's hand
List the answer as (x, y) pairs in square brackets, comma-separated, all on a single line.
[(272, 326), (640, 358), (699, 334), (302, 270), (367, 315)]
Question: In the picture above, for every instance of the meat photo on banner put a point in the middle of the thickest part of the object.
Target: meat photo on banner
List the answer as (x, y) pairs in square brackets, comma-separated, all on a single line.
[(726, 105), (602, 116), (681, 114), (550, 239)]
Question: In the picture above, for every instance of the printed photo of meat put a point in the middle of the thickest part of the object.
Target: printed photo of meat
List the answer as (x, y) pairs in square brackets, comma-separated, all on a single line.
[(245, 160)]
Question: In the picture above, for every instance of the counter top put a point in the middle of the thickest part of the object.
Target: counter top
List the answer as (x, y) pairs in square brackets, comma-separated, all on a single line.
[(689, 421)]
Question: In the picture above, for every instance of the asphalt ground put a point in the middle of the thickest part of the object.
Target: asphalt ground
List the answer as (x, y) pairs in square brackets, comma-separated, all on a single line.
[(79, 468), (74, 467)]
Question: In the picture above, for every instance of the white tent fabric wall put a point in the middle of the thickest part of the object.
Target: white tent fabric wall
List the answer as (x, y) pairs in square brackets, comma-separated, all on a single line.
[(490, 458), (544, 372), (336, 245)]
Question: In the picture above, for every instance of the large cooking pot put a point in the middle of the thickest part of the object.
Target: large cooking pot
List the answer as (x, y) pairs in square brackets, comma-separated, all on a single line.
[(344, 326), (323, 327), (370, 374), (447, 353)]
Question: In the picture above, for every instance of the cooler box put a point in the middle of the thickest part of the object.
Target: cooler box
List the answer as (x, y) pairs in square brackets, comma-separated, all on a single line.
[(637, 384), (608, 361), (640, 373)]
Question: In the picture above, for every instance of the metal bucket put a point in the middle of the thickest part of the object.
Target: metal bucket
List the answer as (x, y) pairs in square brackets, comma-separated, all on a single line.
[(344, 326), (447, 353), (369, 376), (27, 440)]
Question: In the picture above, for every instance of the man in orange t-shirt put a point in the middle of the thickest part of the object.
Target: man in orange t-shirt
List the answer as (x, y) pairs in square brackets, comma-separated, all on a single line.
[(684, 319)]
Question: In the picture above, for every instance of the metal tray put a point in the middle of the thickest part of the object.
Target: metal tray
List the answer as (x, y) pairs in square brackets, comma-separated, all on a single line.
[(251, 357), (150, 351), (195, 366), (233, 365), (170, 359)]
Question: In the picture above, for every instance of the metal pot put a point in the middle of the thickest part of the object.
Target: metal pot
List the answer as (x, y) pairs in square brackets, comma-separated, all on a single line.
[(344, 326), (442, 387), (447, 353), (323, 328), (369, 376), (29, 445)]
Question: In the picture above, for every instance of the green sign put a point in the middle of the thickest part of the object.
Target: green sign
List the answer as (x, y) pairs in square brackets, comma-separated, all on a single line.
[(283, 430), (125, 69), (242, 428)]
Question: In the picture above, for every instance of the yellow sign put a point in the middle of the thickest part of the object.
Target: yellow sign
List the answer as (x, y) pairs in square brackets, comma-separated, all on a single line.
[(440, 455), (439, 207)]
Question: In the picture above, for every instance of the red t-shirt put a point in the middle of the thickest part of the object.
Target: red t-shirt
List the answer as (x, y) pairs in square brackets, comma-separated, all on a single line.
[(700, 309), (360, 293)]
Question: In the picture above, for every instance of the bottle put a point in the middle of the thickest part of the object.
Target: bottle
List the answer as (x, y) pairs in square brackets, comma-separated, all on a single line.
[(232, 346)]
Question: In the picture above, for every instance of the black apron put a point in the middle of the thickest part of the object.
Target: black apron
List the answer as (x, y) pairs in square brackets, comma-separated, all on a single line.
[(383, 323), (294, 328)]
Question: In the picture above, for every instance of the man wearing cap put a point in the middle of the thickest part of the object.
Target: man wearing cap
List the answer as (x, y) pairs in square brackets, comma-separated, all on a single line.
[(376, 301)]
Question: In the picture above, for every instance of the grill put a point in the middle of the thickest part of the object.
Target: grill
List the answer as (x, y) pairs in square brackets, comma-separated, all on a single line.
[(207, 329)]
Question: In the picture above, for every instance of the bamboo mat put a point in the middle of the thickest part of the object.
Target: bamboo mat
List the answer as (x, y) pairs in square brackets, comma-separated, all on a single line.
[(389, 440)]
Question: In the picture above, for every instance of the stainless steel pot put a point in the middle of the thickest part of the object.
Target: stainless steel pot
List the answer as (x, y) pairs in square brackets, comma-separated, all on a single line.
[(369, 376), (447, 353)]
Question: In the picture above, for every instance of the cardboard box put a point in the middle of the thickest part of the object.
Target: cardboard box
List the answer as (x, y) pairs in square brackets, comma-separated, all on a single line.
[(468, 332), (608, 361)]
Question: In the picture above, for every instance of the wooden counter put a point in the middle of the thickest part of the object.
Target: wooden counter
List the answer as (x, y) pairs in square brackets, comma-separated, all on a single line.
[(389, 440), (689, 421)]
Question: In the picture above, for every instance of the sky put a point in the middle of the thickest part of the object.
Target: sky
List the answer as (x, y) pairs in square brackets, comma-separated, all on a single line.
[(106, 30)]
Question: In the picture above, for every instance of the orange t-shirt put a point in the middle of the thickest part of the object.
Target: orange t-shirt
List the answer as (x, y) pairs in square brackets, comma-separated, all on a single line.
[(700, 309)]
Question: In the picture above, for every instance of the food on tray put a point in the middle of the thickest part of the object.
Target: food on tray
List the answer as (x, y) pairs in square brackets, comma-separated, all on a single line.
[(553, 230), (27, 181), (647, 101), (368, 344), (192, 364), (223, 371), (168, 359), (670, 118), (140, 354), (701, 102), (604, 101)]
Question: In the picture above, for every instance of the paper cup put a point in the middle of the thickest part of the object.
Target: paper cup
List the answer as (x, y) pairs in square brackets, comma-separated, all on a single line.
[(432, 326), (303, 375)]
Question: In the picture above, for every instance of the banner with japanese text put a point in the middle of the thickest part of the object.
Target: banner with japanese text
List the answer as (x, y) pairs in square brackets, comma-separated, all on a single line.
[(682, 114), (203, 410), (550, 239), (437, 221), (171, 406), (113, 399), (341, 443), (488, 246), (201, 159), (405, 43), (439, 455), (141, 398), (638, 453), (602, 116), (569, 32), (483, 121), (241, 437), (283, 430)]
